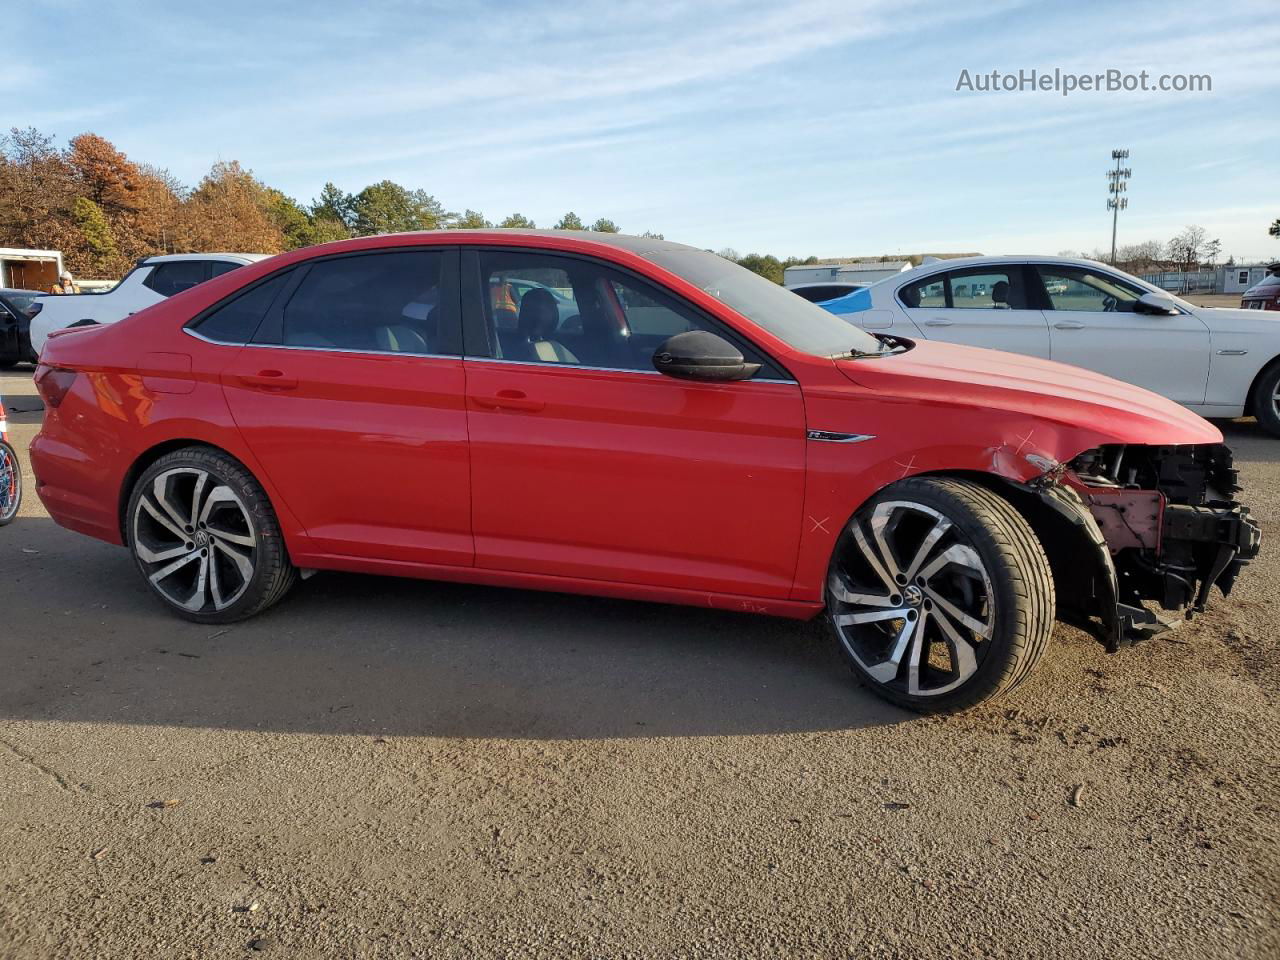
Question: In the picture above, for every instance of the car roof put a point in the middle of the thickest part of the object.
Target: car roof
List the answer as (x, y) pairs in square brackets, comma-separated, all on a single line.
[(179, 257), (826, 283), (622, 241), (4, 291), (940, 266)]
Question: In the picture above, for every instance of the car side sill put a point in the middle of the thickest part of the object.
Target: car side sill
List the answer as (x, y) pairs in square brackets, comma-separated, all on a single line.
[(768, 606)]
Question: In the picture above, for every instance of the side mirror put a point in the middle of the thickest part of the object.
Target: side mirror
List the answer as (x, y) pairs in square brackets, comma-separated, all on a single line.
[(1155, 305), (701, 355)]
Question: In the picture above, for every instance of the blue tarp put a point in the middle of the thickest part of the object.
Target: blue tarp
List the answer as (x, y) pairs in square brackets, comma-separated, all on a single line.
[(854, 302)]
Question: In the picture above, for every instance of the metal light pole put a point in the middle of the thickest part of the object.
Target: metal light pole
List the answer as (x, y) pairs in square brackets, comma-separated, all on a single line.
[(1116, 185)]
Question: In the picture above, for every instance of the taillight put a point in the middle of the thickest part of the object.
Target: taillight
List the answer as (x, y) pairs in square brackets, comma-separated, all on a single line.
[(53, 383)]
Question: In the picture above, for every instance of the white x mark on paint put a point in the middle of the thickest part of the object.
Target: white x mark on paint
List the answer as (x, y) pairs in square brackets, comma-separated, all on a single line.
[(750, 607), (819, 524), (906, 467), (1024, 441)]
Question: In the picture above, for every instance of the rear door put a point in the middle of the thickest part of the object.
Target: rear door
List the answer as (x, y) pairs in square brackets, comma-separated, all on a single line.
[(984, 306), (351, 396), (1093, 325), (588, 463)]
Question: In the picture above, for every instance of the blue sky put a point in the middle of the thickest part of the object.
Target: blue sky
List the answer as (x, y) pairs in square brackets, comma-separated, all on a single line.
[(832, 128)]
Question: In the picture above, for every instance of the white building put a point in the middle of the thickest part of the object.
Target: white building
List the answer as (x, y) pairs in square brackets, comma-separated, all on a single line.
[(1238, 279), (864, 272)]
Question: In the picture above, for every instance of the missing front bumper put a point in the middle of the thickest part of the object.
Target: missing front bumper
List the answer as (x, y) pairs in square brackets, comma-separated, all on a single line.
[(1160, 525)]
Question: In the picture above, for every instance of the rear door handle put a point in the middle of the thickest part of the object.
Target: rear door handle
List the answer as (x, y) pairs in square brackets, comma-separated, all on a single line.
[(937, 322), (510, 400), (268, 380), (1069, 325)]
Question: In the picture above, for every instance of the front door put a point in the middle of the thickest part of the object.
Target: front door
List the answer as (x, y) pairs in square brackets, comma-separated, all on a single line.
[(1092, 324), (352, 398), (983, 306), (587, 463)]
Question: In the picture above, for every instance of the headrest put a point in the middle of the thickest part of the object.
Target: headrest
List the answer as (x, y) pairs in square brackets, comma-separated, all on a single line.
[(539, 314)]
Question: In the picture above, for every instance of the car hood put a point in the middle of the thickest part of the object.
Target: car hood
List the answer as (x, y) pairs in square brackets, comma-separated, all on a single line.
[(1239, 320), (992, 380)]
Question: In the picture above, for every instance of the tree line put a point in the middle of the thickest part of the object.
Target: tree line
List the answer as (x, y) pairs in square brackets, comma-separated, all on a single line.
[(104, 211), (1190, 250)]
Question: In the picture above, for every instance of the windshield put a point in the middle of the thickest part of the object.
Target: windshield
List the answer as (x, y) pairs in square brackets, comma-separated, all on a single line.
[(796, 321)]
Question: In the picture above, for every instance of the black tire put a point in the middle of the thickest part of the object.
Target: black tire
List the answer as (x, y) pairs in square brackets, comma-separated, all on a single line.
[(240, 511), (10, 484), (1264, 401), (999, 581)]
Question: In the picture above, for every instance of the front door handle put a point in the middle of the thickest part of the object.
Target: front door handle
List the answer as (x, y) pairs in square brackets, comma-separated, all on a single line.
[(1069, 325), (268, 380), (937, 322), (509, 400)]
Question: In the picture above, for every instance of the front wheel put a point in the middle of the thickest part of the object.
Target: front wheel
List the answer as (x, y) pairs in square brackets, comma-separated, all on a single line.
[(940, 594), (10, 484), (206, 539), (1266, 401)]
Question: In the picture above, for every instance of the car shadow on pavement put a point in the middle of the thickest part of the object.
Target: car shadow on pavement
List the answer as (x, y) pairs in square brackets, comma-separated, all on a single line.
[(83, 641)]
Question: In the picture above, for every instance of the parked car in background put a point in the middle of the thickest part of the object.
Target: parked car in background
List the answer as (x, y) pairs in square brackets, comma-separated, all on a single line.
[(693, 434), (832, 296), (15, 326), (1263, 295), (1219, 362), (152, 280)]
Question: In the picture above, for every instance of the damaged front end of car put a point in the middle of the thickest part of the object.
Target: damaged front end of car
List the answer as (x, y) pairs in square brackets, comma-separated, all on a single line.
[(1129, 524)]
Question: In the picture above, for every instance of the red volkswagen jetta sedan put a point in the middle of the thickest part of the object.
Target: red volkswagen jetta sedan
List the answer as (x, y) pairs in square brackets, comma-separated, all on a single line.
[(634, 418)]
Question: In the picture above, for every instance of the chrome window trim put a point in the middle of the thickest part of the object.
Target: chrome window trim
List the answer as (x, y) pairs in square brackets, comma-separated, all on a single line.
[(295, 346), (584, 366), (830, 436)]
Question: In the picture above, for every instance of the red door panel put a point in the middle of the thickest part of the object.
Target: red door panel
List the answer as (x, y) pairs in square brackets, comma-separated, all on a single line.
[(638, 477), (368, 450)]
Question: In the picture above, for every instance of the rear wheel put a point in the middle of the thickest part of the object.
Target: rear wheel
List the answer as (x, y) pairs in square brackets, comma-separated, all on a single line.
[(205, 538), (940, 594), (10, 484)]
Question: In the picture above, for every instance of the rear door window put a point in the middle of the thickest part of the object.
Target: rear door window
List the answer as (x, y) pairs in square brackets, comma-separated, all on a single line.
[(930, 292), (170, 278), (218, 267), (387, 302), (988, 288)]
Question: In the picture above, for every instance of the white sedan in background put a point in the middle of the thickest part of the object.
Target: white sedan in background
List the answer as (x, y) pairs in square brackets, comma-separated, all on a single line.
[(1218, 362)]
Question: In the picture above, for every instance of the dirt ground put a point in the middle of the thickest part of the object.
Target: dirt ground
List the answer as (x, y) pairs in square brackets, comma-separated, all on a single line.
[(390, 768)]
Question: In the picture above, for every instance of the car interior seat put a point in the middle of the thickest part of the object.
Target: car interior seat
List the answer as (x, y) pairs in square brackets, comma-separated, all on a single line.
[(1000, 295), (539, 316)]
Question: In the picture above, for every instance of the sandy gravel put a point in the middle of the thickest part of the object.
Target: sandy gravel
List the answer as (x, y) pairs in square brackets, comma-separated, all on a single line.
[(382, 768)]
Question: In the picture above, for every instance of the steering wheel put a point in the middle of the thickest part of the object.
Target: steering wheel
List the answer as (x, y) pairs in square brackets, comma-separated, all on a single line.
[(1109, 304)]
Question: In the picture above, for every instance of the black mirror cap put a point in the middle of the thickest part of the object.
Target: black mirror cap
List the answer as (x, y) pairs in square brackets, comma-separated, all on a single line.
[(1155, 305), (702, 355)]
